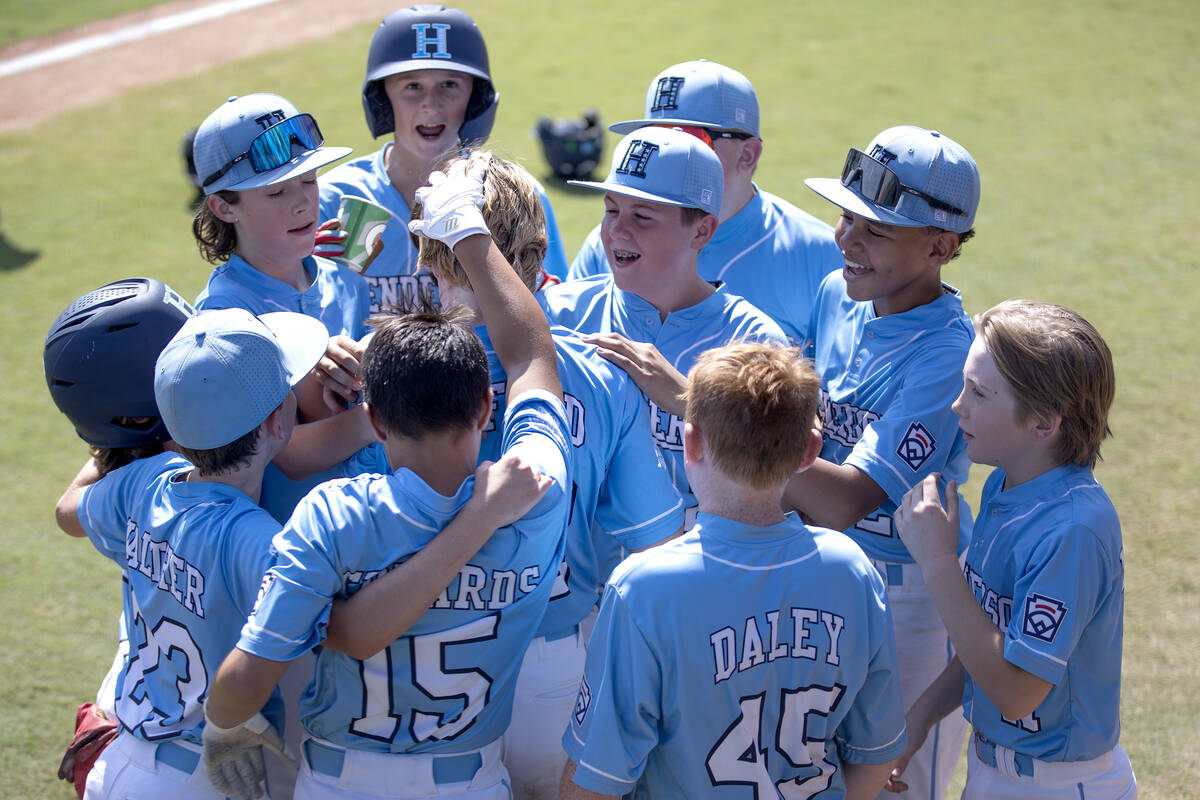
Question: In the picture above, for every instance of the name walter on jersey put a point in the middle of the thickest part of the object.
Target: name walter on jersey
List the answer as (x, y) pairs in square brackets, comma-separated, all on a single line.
[(169, 572), (806, 633)]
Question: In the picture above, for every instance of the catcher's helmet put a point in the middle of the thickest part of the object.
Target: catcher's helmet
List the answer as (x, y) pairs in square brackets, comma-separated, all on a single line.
[(430, 37), (572, 146), (99, 360)]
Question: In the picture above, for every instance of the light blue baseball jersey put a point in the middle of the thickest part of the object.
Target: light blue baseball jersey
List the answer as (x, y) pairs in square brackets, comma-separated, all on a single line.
[(735, 655), (621, 495), (193, 555), (887, 384), (337, 295), (446, 685), (393, 277), (1047, 565), (771, 253), (596, 305)]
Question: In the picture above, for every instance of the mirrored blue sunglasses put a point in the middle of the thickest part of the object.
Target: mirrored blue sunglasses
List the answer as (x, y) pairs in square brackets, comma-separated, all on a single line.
[(273, 147)]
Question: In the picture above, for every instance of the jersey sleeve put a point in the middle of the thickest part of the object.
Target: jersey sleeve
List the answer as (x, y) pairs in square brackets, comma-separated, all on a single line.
[(915, 434), (292, 611), (370, 459), (874, 731), (638, 504), (615, 723), (248, 556), (590, 260), (1055, 598), (555, 262), (535, 424)]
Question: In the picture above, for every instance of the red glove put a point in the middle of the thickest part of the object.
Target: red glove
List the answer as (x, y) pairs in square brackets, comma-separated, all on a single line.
[(330, 241), (93, 732), (548, 280)]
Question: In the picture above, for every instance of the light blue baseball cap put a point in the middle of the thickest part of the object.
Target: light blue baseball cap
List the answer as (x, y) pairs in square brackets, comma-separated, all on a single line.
[(664, 165), (227, 370), (292, 145), (702, 93), (907, 176)]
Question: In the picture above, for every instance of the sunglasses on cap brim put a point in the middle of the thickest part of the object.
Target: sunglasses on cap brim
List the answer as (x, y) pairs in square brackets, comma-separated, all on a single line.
[(881, 186), (273, 147), (706, 135)]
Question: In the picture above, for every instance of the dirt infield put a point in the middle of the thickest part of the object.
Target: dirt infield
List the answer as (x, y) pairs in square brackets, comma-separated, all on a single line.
[(39, 94)]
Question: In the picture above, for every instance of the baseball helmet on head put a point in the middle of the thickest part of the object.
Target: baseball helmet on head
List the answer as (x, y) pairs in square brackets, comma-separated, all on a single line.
[(99, 360), (430, 37)]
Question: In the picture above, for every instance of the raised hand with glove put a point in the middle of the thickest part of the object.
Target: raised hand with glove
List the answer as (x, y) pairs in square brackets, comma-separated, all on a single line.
[(452, 203)]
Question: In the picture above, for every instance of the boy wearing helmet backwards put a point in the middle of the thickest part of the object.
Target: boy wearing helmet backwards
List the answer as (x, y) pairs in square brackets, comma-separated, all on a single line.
[(428, 84)]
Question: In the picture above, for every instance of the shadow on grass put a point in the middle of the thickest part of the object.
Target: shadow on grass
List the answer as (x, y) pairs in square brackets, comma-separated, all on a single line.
[(13, 257)]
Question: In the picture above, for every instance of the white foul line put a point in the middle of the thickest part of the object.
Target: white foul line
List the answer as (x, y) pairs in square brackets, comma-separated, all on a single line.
[(142, 30)]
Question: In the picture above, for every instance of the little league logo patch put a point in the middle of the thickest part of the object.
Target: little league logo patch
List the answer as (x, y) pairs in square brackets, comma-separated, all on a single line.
[(583, 701), (917, 446), (1043, 617)]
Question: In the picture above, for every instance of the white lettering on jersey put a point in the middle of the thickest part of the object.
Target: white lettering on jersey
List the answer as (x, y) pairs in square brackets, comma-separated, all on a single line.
[(813, 633), (844, 423), (399, 291), (668, 428), (171, 573), (484, 590), (996, 606)]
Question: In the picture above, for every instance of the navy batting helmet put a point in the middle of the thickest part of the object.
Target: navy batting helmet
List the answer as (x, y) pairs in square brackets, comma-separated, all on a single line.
[(99, 360), (430, 37)]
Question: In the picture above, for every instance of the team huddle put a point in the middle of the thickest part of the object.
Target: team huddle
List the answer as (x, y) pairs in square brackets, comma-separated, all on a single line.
[(678, 519)]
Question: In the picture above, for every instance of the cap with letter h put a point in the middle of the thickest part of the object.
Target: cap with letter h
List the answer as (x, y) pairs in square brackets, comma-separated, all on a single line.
[(664, 165), (907, 176), (225, 371), (702, 93)]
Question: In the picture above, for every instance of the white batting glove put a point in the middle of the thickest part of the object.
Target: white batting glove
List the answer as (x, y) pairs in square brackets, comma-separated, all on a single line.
[(451, 204), (233, 756)]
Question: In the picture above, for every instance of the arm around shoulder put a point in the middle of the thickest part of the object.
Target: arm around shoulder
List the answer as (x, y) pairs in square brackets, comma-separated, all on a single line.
[(834, 496), (66, 510)]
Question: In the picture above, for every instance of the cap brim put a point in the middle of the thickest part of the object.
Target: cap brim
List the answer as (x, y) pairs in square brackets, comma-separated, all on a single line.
[(629, 126), (628, 191), (305, 162), (302, 340), (833, 191)]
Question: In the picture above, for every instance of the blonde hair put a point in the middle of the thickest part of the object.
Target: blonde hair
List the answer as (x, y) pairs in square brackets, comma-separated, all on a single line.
[(1055, 362), (755, 405), (513, 213)]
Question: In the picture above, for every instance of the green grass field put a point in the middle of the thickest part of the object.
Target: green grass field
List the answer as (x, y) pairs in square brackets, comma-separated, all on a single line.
[(1081, 115), (25, 19)]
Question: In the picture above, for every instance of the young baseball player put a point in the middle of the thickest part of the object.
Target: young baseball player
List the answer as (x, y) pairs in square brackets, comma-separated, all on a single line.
[(654, 314), (429, 85), (753, 651), (191, 540), (1035, 613), (622, 496), (765, 249), (424, 715), (257, 156), (888, 339), (99, 364)]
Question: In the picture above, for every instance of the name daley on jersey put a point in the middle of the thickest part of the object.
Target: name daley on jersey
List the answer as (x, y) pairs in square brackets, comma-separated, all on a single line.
[(805, 633)]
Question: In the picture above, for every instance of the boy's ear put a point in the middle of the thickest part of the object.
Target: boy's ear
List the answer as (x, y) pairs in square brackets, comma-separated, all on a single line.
[(750, 154), (693, 444), (812, 448), (704, 231), (943, 246), (485, 411), (1046, 425), (221, 209), (380, 433)]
